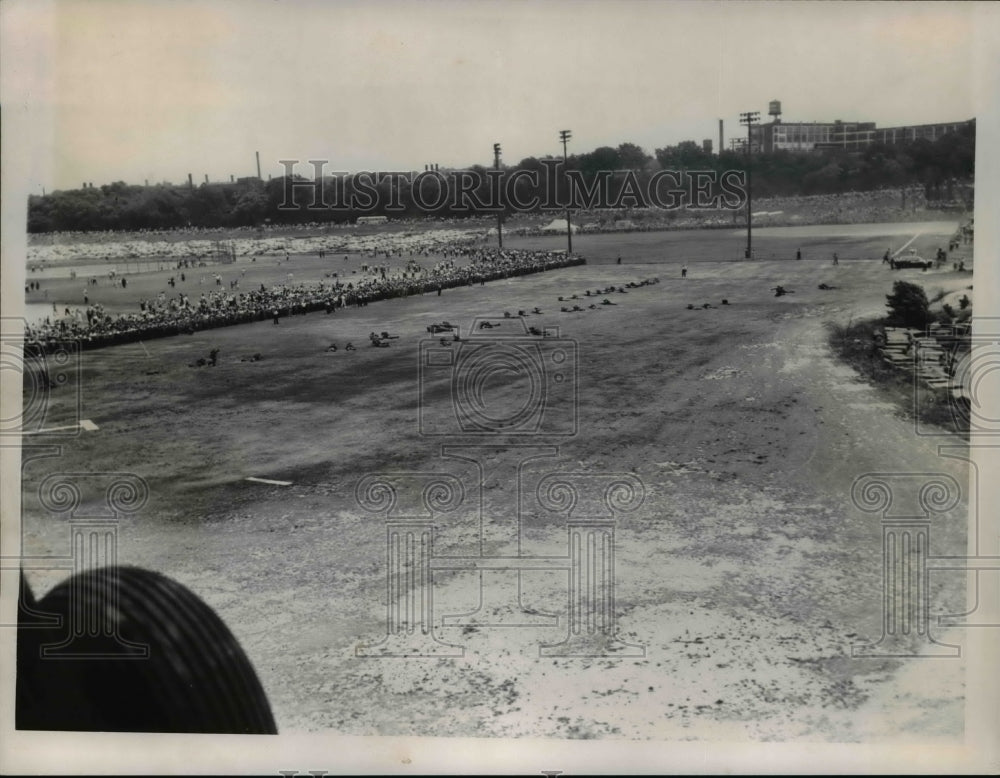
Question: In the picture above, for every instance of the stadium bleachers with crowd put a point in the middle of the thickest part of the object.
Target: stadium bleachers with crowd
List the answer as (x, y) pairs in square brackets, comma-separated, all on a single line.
[(93, 327)]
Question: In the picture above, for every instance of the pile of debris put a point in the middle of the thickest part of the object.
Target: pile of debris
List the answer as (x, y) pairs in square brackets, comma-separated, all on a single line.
[(931, 356)]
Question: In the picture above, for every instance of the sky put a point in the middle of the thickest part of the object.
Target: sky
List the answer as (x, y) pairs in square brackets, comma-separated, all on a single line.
[(140, 90)]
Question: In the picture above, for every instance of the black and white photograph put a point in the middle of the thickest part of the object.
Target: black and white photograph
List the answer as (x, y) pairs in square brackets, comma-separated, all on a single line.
[(499, 387)]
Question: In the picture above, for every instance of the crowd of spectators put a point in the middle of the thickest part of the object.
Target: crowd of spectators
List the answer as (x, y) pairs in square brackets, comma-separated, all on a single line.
[(94, 327), (877, 206), (219, 233), (144, 247), (883, 205)]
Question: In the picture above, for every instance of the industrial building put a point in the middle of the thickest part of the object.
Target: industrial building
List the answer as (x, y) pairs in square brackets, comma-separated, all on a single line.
[(848, 135)]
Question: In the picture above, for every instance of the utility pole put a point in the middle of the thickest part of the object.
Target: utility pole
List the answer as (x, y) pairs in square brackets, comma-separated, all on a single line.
[(749, 118), (564, 136), (496, 164)]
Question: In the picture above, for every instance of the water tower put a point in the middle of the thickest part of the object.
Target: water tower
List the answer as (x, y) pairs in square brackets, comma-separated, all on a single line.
[(774, 109)]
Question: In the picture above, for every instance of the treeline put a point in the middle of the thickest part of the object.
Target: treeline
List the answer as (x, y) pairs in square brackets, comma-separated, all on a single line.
[(532, 184)]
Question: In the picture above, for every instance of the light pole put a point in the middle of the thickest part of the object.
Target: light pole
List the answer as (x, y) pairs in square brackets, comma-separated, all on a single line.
[(749, 118), (564, 136), (496, 164)]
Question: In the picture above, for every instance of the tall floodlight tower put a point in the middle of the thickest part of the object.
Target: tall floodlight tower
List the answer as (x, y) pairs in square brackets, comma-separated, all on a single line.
[(496, 164), (749, 118), (564, 136)]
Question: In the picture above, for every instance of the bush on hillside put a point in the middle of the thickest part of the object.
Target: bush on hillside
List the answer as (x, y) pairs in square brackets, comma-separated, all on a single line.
[(908, 306)]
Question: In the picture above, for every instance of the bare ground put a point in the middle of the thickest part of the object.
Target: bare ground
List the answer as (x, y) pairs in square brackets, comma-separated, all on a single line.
[(746, 576)]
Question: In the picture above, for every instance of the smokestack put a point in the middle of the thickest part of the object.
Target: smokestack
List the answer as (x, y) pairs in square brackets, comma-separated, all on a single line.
[(232, 178), (147, 182), (206, 178), (720, 136), (258, 164), (190, 182)]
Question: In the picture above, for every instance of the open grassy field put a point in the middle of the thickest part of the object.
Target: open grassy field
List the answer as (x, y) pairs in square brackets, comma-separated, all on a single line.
[(745, 576)]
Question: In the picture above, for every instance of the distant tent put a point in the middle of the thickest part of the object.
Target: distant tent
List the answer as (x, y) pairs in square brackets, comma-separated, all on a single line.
[(558, 225)]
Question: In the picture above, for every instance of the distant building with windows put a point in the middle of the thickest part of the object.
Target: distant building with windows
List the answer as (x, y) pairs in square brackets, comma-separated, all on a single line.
[(850, 136)]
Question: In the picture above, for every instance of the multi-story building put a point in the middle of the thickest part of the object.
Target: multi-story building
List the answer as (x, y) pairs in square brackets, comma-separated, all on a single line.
[(892, 135), (850, 136)]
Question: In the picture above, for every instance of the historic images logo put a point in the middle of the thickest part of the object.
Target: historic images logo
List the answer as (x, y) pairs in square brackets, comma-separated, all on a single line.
[(907, 503), (92, 505), (550, 187), (500, 395)]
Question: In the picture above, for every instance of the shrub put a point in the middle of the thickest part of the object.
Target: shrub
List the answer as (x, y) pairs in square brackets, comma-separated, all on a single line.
[(908, 306)]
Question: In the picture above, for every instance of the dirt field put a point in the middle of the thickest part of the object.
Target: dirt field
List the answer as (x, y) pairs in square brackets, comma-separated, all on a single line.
[(746, 575)]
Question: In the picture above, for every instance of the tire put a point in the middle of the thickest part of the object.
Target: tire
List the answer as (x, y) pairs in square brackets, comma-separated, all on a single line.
[(165, 662)]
